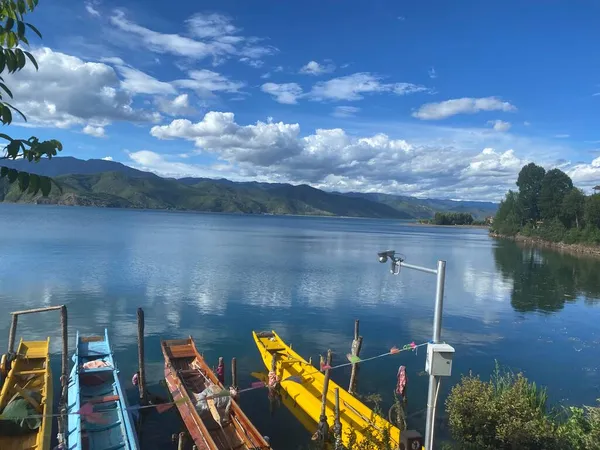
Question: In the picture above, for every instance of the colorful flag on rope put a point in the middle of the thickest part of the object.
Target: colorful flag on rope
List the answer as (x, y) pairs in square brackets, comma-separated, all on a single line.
[(394, 350), (353, 359)]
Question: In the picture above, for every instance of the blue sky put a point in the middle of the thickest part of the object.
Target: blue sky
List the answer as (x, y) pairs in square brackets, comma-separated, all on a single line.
[(439, 99)]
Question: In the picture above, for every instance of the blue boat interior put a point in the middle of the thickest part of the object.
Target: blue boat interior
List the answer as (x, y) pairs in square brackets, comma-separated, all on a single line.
[(98, 418)]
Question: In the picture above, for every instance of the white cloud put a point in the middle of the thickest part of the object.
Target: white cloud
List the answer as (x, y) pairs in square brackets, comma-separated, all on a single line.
[(287, 93), (178, 106), (439, 163), (266, 76), (256, 63), (596, 94), (401, 18), (499, 125), (345, 111), (466, 105), (215, 36), (150, 161), (68, 91), (431, 72), (94, 131), (352, 87), (107, 158), (314, 68), (206, 82), (526, 123), (91, 10), (585, 175), (562, 136), (138, 82), (261, 144)]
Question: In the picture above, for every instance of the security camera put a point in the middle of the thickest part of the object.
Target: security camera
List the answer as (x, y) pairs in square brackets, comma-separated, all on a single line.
[(383, 256)]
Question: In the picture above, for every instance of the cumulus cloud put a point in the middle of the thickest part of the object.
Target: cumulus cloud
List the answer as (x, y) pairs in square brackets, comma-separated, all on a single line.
[(261, 144), (94, 131), (585, 175), (466, 105), (353, 87), (68, 91), (345, 111), (314, 68), (287, 93), (455, 166), (214, 35), (499, 125), (107, 158), (150, 161), (178, 106)]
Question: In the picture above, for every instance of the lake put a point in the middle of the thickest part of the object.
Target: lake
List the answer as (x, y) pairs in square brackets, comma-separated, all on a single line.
[(218, 277)]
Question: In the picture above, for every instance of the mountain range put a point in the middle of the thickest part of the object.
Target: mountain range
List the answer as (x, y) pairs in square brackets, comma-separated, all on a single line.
[(103, 183)]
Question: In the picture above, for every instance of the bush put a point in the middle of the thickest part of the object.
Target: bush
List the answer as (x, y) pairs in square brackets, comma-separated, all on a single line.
[(505, 412), (509, 412)]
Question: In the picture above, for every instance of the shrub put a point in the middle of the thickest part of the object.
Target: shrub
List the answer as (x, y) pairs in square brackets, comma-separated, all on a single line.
[(505, 412)]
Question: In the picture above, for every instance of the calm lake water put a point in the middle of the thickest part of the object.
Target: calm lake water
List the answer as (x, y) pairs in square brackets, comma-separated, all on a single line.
[(218, 277)]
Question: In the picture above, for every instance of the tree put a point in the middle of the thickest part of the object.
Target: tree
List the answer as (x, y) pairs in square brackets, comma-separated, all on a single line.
[(509, 216), (592, 210), (12, 59), (555, 186), (573, 208), (530, 185)]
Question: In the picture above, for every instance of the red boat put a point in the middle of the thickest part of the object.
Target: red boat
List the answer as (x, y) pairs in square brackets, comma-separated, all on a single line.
[(214, 421)]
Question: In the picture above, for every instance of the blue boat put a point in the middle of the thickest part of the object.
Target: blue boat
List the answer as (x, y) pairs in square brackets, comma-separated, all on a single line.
[(98, 414)]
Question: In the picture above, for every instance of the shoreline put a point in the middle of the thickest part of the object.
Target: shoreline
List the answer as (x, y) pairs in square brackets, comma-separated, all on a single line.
[(573, 249), (449, 226)]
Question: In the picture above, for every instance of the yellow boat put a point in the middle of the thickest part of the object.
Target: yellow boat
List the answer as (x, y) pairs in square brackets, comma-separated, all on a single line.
[(359, 423), (29, 381)]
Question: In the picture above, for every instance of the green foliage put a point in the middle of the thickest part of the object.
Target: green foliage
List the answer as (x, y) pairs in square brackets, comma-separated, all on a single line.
[(452, 218), (530, 186), (555, 186), (568, 215), (508, 218), (592, 210), (12, 59), (573, 208), (503, 413)]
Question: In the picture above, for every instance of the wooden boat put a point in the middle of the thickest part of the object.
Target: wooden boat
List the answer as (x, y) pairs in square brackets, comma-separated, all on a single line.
[(27, 388), (357, 419), (189, 378), (94, 385)]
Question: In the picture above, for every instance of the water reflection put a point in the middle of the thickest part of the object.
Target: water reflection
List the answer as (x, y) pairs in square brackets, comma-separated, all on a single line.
[(545, 280)]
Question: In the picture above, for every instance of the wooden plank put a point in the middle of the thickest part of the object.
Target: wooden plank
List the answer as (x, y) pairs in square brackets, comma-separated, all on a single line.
[(27, 397)]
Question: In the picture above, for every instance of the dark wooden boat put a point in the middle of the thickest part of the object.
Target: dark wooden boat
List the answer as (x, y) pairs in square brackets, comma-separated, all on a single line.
[(187, 376)]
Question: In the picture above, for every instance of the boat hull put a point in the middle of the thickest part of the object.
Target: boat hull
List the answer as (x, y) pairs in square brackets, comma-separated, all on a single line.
[(188, 375), (30, 371), (357, 419), (94, 386)]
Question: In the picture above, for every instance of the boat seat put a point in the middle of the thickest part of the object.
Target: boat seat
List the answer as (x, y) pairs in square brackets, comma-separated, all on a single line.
[(97, 429)]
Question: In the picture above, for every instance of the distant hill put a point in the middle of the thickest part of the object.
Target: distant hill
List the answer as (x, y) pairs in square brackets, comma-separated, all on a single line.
[(111, 184), (425, 208)]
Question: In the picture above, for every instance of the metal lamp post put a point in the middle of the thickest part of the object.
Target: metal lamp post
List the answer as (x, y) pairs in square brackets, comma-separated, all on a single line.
[(440, 272)]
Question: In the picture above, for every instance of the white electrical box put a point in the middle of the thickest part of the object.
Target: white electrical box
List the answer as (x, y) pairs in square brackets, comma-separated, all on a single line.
[(439, 360)]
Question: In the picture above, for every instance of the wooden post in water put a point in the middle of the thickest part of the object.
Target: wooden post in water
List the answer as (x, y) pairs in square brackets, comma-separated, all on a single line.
[(356, 346), (323, 426), (234, 373), (337, 426), (141, 357), (64, 377), (12, 333), (181, 441)]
